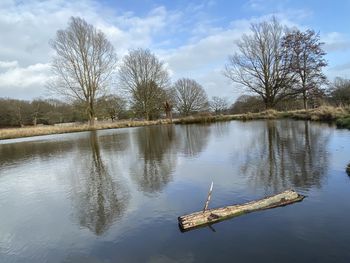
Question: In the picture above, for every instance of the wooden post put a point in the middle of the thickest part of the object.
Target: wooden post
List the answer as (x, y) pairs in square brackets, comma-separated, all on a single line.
[(208, 199)]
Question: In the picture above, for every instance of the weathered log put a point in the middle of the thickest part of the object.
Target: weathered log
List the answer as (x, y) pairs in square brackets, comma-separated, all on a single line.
[(211, 216)]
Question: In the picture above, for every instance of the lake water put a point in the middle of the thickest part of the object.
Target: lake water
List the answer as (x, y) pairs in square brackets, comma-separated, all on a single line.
[(115, 195)]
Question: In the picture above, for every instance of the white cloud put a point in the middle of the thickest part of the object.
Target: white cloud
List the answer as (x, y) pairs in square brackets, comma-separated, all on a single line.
[(8, 64), (204, 61), (336, 41), (24, 82)]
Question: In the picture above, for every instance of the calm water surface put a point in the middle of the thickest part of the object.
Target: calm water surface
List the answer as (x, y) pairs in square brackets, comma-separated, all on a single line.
[(115, 195)]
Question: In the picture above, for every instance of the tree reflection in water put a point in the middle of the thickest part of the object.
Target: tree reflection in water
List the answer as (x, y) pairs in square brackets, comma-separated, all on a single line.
[(195, 139), (157, 157), (220, 129), (287, 154), (158, 149), (98, 197)]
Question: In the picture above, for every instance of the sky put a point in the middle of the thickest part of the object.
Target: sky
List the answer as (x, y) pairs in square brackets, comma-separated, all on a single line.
[(192, 38)]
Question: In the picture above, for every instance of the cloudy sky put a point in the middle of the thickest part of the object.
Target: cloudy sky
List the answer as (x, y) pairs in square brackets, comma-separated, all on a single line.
[(193, 38)]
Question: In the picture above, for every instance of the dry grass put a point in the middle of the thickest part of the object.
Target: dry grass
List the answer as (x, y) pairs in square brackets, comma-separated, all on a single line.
[(323, 113), (46, 130), (269, 114)]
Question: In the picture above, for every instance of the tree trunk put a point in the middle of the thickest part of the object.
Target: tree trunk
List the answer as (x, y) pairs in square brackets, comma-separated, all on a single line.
[(305, 100), (91, 121), (269, 103), (91, 118), (91, 111), (211, 216)]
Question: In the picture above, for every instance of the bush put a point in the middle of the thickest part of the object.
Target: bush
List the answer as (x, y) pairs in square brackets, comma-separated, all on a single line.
[(343, 123)]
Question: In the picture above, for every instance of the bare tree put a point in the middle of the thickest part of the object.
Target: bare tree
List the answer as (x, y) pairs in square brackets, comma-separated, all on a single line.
[(189, 96), (247, 103), (111, 106), (218, 105), (307, 61), (340, 92), (38, 109), (83, 65), (261, 65), (145, 78)]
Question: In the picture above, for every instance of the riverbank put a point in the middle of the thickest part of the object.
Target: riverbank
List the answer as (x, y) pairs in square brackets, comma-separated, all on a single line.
[(12, 133), (341, 116)]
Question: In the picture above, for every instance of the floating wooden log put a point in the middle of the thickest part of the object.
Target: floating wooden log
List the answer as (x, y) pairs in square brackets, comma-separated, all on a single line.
[(211, 216)]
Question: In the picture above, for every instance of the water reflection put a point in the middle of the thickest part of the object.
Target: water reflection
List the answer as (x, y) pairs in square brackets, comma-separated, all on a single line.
[(221, 129), (18, 153), (58, 192), (287, 154), (195, 139), (99, 198), (157, 157)]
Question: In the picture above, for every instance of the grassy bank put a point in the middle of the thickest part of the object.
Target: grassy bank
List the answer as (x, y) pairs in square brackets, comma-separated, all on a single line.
[(341, 116), (46, 130)]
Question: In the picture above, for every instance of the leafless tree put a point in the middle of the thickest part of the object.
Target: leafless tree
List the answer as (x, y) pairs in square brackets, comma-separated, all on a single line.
[(307, 61), (145, 78), (189, 96), (261, 65), (111, 106), (83, 65), (218, 105), (340, 92), (247, 103)]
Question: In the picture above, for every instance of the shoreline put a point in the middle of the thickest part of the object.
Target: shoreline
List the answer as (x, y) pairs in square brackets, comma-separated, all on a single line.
[(339, 116), (31, 131)]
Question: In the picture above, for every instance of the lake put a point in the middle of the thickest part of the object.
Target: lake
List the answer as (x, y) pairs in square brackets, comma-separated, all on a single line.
[(115, 195)]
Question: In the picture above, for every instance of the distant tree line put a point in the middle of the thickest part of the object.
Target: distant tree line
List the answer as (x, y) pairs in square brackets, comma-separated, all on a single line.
[(337, 94), (21, 113)]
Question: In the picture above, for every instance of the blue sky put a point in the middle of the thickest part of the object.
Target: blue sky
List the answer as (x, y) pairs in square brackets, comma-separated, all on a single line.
[(193, 38)]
